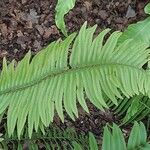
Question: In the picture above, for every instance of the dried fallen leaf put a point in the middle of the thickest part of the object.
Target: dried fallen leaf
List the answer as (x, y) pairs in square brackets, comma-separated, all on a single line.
[(130, 12), (40, 29), (32, 16), (3, 29)]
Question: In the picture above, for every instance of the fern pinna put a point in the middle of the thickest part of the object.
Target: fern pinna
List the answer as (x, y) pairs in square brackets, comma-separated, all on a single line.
[(66, 72)]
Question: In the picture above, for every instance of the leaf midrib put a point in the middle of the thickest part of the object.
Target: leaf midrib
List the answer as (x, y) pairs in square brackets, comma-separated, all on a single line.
[(50, 75)]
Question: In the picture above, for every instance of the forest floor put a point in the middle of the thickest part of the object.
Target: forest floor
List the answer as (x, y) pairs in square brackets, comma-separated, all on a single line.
[(29, 25)]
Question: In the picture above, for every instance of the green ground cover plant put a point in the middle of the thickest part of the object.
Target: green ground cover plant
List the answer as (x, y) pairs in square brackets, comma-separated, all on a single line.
[(112, 73)]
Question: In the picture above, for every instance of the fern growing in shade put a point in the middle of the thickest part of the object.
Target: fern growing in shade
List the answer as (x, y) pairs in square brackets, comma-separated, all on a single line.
[(55, 138), (129, 110), (114, 139), (137, 107), (65, 73)]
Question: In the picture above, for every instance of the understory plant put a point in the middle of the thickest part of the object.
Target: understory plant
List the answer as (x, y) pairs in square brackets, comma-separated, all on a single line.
[(55, 138), (136, 107), (53, 81), (62, 8), (112, 72)]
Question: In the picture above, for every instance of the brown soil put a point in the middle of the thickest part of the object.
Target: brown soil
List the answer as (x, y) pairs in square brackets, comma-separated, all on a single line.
[(29, 24)]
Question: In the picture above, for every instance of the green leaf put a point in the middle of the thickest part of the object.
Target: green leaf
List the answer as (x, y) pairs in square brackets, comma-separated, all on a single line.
[(62, 8), (139, 32), (66, 73), (113, 139), (118, 141), (133, 109), (107, 137), (1, 139), (137, 136), (19, 147), (76, 146), (92, 142), (143, 134), (147, 9)]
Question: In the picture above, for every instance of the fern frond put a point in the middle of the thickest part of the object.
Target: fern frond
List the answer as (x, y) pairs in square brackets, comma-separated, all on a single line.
[(114, 140), (60, 139), (147, 9), (54, 138), (135, 108), (34, 89), (139, 32), (62, 8)]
